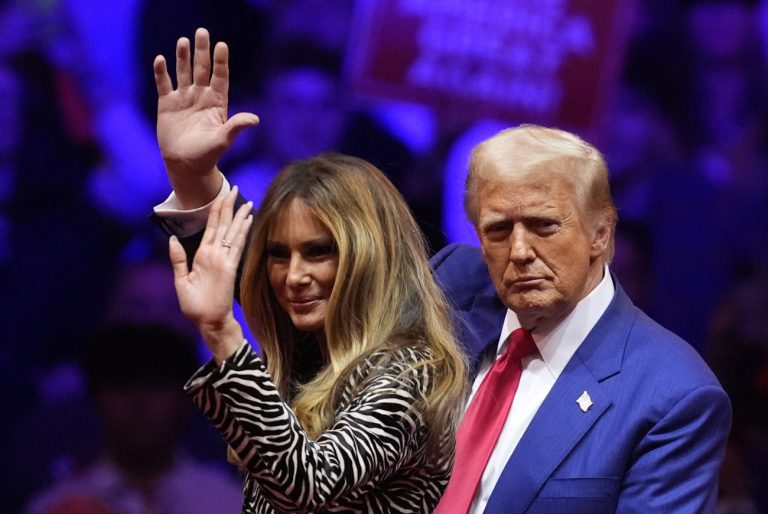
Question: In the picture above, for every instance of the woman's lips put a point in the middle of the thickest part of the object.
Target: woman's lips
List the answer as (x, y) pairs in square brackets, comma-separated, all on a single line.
[(304, 304)]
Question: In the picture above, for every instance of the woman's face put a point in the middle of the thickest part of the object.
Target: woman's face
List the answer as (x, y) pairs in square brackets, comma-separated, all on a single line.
[(301, 264)]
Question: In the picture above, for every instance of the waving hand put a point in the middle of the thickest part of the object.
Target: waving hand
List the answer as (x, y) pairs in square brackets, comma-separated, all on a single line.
[(193, 129), (205, 292)]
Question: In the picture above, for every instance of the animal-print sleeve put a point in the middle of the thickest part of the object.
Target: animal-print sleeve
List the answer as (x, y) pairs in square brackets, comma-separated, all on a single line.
[(378, 431)]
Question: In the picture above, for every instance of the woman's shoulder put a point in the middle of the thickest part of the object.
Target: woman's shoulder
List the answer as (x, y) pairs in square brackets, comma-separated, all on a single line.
[(397, 362), (400, 354), (400, 370)]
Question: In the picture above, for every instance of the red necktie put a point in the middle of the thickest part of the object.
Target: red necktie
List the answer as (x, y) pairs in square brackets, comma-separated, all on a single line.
[(477, 434)]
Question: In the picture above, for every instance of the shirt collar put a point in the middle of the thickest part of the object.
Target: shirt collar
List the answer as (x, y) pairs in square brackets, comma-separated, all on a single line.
[(559, 344)]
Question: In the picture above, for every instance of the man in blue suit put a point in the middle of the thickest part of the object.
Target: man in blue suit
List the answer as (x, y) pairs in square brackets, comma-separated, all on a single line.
[(613, 413)]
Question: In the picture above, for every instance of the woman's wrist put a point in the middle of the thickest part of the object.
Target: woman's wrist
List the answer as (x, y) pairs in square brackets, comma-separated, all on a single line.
[(222, 339)]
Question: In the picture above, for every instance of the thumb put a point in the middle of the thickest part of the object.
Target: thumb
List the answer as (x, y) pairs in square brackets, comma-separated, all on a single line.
[(238, 122), (178, 258)]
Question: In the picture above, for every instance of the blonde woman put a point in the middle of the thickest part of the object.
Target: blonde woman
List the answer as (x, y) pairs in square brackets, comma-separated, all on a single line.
[(352, 405)]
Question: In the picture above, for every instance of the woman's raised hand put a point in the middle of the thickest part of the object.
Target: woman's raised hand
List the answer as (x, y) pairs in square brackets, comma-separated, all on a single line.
[(192, 125), (205, 292)]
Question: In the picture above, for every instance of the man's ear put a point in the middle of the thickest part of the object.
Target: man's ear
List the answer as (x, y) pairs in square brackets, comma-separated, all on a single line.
[(601, 238)]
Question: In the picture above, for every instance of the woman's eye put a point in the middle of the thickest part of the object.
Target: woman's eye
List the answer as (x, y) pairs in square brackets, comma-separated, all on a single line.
[(320, 250), (277, 253)]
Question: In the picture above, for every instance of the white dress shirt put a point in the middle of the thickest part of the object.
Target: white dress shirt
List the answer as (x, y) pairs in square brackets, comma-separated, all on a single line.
[(187, 222), (540, 371)]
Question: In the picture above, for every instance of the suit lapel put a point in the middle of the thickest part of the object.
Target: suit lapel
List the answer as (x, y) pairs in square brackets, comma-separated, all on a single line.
[(555, 429), (560, 423), (481, 327)]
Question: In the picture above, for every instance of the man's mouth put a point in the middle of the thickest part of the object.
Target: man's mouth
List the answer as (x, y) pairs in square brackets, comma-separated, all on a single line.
[(526, 282)]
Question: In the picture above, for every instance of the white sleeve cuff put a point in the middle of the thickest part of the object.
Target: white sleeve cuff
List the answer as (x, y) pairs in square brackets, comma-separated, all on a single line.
[(184, 223)]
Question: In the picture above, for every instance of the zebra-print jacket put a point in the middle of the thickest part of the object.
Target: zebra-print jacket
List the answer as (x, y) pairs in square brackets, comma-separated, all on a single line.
[(372, 460)]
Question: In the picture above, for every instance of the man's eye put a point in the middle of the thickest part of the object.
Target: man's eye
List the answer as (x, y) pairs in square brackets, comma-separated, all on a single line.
[(497, 227), (497, 232), (546, 225)]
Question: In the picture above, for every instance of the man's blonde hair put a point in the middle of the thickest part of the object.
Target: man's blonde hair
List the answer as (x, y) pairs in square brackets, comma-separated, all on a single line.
[(518, 150)]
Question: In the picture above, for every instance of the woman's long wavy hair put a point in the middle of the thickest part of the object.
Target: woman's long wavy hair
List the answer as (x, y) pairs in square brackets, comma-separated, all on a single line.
[(384, 295)]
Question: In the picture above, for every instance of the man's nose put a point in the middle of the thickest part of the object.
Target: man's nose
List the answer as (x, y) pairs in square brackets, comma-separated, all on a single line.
[(520, 249)]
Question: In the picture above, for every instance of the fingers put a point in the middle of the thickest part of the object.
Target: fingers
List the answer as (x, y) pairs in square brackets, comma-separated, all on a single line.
[(237, 123), (183, 66), (225, 216), (162, 80), (195, 71), (219, 218), (238, 231), (220, 78), (212, 224), (178, 258), (202, 59)]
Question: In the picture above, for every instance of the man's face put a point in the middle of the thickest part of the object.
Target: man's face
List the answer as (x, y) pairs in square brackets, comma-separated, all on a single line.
[(541, 249)]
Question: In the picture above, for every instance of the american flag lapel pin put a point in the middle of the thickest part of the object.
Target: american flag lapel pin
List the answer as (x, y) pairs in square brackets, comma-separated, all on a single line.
[(584, 401)]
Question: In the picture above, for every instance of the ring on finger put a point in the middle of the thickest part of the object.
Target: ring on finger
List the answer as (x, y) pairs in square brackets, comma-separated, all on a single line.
[(226, 244)]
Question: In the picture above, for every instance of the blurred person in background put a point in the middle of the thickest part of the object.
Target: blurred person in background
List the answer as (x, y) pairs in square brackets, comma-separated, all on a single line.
[(726, 121), (632, 261), (55, 257), (305, 109), (738, 354), (135, 376), (59, 425), (303, 113)]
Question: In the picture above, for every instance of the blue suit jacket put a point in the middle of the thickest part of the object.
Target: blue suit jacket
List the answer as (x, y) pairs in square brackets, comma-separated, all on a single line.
[(652, 441)]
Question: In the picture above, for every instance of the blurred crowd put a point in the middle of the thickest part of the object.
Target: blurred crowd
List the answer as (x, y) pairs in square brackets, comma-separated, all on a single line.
[(84, 274)]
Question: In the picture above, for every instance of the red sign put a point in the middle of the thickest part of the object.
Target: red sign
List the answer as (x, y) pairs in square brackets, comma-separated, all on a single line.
[(554, 62)]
